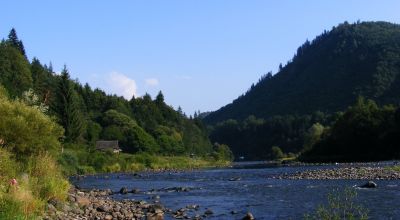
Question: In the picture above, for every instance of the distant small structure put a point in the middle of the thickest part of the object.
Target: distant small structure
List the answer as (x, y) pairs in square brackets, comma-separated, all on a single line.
[(108, 146)]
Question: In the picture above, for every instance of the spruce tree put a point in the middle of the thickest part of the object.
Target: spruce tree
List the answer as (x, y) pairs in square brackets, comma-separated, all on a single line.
[(15, 42), (67, 108), (160, 98)]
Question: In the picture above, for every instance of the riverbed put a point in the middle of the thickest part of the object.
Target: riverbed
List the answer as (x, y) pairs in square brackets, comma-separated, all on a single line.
[(232, 192)]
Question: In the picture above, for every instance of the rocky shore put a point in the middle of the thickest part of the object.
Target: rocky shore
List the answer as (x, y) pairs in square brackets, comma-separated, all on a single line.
[(98, 205), (360, 173)]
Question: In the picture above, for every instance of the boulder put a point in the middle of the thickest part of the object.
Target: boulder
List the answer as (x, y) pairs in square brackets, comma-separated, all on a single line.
[(208, 212), (248, 216), (369, 184), (123, 190), (135, 191)]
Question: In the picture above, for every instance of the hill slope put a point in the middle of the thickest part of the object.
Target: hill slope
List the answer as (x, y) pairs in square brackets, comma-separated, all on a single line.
[(327, 75)]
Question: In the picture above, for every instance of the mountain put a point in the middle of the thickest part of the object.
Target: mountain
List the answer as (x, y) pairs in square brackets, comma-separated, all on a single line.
[(327, 75)]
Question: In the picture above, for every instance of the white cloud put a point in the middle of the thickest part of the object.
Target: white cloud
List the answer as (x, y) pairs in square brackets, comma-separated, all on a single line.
[(152, 82), (121, 84)]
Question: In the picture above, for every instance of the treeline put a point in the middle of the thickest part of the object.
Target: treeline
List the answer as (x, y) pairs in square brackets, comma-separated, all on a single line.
[(364, 132), (141, 124), (254, 138)]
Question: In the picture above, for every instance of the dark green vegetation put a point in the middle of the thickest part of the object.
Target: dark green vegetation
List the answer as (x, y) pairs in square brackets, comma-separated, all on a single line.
[(49, 125), (293, 107), (365, 132)]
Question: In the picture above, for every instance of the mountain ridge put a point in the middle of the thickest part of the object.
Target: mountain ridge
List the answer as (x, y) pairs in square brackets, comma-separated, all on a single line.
[(327, 74)]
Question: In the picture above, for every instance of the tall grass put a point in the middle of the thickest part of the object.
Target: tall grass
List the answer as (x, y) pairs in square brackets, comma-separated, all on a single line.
[(39, 180), (82, 162)]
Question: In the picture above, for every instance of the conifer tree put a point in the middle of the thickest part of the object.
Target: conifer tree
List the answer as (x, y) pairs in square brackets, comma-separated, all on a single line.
[(66, 108), (15, 42)]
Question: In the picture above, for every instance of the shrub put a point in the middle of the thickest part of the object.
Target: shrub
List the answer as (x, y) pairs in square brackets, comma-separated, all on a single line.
[(25, 130), (85, 170), (112, 168), (341, 205)]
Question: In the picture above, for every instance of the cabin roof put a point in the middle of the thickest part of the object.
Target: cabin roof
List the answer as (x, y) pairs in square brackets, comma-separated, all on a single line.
[(104, 145)]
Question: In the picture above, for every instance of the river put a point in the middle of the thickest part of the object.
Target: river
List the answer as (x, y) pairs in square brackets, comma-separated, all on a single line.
[(253, 190)]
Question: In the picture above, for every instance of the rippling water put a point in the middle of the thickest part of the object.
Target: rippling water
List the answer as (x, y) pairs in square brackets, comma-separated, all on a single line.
[(255, 192)]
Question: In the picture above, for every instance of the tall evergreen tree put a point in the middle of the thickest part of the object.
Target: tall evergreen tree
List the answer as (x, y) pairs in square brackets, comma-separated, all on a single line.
[(15, 42), (160, 98), (66, 107)]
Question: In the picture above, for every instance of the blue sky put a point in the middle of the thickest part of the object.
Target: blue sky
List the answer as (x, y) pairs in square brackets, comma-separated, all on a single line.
[(201, 54)]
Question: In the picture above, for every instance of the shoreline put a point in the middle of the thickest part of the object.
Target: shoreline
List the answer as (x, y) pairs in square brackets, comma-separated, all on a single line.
[(97, 204), (346, 173)]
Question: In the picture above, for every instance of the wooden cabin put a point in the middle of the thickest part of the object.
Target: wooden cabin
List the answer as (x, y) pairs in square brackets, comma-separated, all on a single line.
[(108, 146)]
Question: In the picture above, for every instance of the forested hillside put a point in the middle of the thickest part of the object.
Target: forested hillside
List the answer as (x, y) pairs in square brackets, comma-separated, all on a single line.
[(309, 93), (327, 74), (141, 124)]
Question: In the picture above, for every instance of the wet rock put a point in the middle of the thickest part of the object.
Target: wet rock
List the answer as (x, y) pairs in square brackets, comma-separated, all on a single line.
[(208, 212), (194, 206), (135, 191), (248, 216), (156, 197), (123, 190), (369, 184), (235, 179)]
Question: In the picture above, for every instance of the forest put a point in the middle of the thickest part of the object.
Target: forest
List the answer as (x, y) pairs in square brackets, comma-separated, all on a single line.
[(314, 91), (142, 125)]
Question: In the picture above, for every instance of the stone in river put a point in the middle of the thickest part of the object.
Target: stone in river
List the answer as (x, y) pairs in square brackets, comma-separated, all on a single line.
[(123, 190), (248, 216), (208, 212), (370, 184), (135, 191)]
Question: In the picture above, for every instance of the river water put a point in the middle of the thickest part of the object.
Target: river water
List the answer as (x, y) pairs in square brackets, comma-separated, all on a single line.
[(252, 191)]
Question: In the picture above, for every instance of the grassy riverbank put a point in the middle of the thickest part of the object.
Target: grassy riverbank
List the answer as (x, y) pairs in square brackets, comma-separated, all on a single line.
[(84, 162)]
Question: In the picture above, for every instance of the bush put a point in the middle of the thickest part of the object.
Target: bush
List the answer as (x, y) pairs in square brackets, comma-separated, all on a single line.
[(86, 170), (341, 205), (112, 168), (135, 167), (25, 130), (277, 153)]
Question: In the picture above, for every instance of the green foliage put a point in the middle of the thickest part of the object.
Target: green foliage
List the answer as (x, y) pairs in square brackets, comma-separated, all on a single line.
[(365, 132), (26, 130), (254, 137), (15, 73), (132, 137), (277, 153), (341, 205), (15, 42), (313, 136), (67, 109), (222, 152), (28, 135)]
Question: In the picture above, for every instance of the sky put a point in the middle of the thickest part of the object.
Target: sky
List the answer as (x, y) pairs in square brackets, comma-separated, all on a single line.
[(200, 54)]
